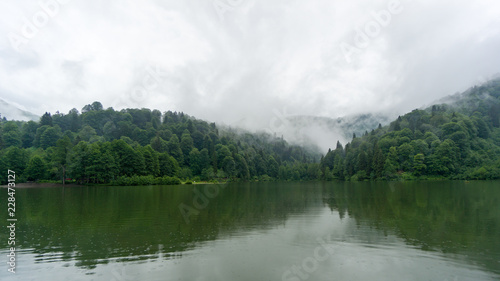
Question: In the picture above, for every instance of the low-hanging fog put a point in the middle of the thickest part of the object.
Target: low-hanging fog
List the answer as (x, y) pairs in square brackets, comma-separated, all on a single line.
[(246, 63)]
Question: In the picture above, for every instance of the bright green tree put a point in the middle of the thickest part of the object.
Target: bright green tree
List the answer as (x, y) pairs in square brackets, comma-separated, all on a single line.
[(195, 161), (63, 147), (28, 133), (151, 162), (49, 137), (186, 145), (17, 159), (168, 165), (11, 135), (419, 168), (174, 149), (36, 168)]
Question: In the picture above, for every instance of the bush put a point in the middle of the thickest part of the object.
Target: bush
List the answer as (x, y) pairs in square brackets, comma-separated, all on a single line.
[(146, 180), (265, 178)]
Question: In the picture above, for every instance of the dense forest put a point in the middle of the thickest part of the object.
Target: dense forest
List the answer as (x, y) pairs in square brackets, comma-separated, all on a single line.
[(457, 140), (143, 146)]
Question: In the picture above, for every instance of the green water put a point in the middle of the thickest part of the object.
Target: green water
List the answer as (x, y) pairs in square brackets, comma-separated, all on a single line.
[(257, 231)]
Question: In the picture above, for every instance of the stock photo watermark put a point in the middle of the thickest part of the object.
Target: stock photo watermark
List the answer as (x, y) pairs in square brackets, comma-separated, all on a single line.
[(120, 275), (310, 264), (11, 221), (371, 29), (223, 6), (48, 10), (201, 200), (279, 122), (280, 125)]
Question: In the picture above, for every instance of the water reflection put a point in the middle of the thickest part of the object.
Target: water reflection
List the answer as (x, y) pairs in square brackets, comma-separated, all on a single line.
[(259, 231), (92, 225), (448, 217)]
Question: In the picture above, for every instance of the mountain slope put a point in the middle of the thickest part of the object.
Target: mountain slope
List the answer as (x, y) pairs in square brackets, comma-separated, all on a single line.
[(11, 112), (143, 146), (459, 139)]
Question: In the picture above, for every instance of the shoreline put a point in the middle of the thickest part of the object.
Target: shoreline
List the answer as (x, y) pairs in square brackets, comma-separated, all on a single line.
[(48, 185), (43, 185)]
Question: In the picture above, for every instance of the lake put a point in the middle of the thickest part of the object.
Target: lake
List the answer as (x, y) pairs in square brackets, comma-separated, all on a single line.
[(446, 230)]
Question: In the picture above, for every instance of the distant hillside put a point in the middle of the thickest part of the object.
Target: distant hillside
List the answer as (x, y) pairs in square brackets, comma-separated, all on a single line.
[(483, 98), (322, 131), (11, 112), (459, 139), (143, 146)]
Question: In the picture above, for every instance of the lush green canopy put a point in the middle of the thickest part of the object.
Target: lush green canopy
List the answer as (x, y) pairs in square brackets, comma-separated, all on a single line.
[(459, 140)]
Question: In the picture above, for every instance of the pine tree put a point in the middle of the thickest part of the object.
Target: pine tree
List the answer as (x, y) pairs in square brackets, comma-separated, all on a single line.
[(195, 161), (174, 149), (378, 162), (63, 147), (46, 119)]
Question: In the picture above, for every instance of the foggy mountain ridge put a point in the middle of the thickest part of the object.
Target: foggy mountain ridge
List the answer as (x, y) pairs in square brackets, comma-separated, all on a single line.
[(318, 131), (12, 112), (476, 93), (324, 132)]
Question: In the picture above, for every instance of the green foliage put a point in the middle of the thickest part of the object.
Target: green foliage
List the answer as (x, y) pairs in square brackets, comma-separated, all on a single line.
[(378, 162), (130, 161), (174, 149), (457, 141), (87, 133), (141, 146), (49, 137), (195, 161), (10, 135), (46, 120), (151, 161), (28, 133), (16, 159), (36, 168), (168, 165), (272, 166), (419, 168), (146, 180)]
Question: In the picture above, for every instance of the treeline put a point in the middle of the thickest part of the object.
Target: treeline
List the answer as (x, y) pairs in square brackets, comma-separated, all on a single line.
[(456, 141), (142, 146), (460, 140)]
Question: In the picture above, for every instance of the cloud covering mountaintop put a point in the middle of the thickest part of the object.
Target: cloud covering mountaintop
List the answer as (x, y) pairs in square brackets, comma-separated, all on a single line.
[(245, 61)]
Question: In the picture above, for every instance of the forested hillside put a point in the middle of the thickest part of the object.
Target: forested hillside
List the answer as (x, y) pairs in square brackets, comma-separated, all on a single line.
[(459, 140), (142, 146)]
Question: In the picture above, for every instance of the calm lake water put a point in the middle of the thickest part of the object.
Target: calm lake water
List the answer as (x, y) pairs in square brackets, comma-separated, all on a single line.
[(257, 231)]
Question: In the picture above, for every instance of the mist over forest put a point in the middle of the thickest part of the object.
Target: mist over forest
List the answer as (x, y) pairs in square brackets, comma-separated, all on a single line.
[(455, 140)]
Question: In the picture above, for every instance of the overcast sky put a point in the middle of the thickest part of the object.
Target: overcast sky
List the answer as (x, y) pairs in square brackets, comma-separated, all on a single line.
[(245, 61)]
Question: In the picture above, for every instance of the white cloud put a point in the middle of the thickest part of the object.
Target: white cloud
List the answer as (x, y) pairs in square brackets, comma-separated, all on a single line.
[(262, 56)]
